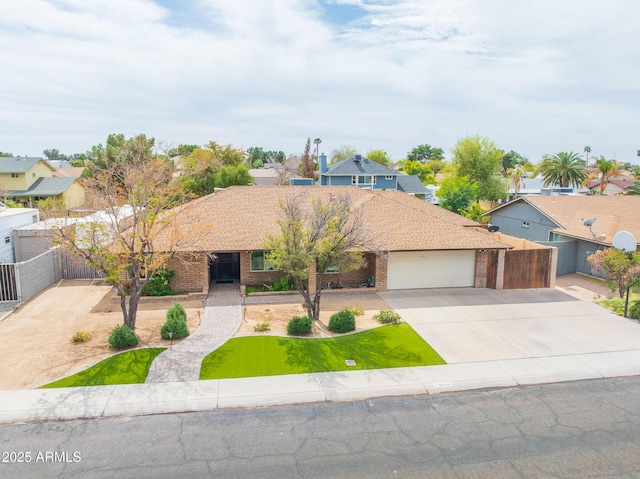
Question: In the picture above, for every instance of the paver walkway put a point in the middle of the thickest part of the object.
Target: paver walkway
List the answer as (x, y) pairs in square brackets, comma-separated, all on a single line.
[(222, 318)]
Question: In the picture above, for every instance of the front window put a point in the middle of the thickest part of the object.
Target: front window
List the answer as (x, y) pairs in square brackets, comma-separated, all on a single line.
[(259, 262)]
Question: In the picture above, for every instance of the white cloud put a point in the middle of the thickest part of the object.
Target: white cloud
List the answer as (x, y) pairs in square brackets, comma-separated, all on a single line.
[(537, 77)]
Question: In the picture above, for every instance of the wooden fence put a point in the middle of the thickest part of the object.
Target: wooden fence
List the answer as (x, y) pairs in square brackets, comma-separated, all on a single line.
[(529, 268)]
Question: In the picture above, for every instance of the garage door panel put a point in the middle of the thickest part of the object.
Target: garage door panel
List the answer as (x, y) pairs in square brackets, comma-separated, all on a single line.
[(431, 269)]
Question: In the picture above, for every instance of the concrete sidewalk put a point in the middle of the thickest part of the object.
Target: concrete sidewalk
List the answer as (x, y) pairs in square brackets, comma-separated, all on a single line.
[(176, 397)]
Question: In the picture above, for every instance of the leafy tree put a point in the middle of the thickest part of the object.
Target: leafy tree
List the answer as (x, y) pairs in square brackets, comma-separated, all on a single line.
[(436, 165), (213, 166), (622, 269), (379, 156), (516, 176), (457, 193), (475, 212), (5, 155), (327, 233), (54, 155), (563, 168), (307, 166), (121, 249), (421, 170), (512, 159), (425, 153), (181, 150), (603, 170), (633, 189), (342, 153), (480, 160)]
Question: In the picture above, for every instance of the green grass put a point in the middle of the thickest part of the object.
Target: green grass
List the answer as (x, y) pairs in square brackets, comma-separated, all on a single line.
[(391, 346), (130, 367)]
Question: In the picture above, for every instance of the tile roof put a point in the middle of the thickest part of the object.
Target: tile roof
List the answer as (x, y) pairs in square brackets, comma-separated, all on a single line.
[(237, 219), (612, 214), (19, 164)]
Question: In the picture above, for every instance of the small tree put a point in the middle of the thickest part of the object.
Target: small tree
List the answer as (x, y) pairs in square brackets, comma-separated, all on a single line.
[(328, 233), (122, 248), (307, 166), (622, 269), (456, 193)]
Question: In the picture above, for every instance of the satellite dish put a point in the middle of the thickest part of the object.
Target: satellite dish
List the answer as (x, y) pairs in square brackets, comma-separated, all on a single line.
[(493, 228), (624, 241), (588, 222)]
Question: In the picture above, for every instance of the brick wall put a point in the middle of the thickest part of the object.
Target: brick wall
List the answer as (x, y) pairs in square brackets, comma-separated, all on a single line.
[(192, 275), (482, 258), (380, 271)]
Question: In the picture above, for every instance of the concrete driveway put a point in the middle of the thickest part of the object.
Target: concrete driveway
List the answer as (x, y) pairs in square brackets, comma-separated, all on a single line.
[(469, 325)]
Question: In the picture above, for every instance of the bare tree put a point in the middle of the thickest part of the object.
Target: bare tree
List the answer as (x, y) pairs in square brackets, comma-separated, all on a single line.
[(124, 247), (307, 166), (325, 234)]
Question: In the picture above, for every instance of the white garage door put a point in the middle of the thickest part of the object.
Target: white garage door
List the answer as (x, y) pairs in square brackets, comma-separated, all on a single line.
[(431, 269)]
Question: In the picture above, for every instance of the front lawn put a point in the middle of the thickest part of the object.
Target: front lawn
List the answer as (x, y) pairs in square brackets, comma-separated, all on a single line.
[(391, 346), (130, 367)]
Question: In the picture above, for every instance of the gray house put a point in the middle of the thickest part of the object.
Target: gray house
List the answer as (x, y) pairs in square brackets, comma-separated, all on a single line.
[(563, 222), (364, 173)]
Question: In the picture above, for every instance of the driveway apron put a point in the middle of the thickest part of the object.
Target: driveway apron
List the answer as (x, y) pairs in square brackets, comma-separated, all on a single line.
[(222, 318)]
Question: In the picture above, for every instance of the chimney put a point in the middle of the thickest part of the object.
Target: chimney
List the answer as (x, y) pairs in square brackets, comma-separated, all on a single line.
[(323, 163), (357, 158)]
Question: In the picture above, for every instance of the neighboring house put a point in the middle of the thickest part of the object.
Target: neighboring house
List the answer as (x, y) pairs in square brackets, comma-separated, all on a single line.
[(272, 174), (535, 187), (69, 172), (10, 220), (560, 221), (419, 245), (28, 180), (614, 186), (34, 239), (364, 173)]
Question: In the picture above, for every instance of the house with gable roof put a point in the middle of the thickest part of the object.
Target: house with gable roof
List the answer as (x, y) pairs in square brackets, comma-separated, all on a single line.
[(364, 173), (419, 245), (562, 222), (30, 179)]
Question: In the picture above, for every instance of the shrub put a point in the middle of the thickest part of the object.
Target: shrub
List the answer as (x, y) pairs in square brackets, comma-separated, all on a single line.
[(81, 337), (122, 337), (176, 323), (177, 312), (283, 284), (355, 310), (634, 310), (261, 327), (298, 326), (342, 322), (158, 284), (387, 316)]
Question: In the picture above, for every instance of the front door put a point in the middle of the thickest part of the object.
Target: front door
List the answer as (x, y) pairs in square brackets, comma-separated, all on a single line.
[(225, 268)]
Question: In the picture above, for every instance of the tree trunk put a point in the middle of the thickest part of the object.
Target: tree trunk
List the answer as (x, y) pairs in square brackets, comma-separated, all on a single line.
[(134, 300)]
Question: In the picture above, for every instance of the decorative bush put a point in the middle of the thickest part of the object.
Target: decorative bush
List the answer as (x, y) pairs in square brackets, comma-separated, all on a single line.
[(177, 312), (634, 310), (355, 310), (387, 316), (81, 337), (299, 326), (283, 284), (122, 337), (176, 323), (260, 327), (158, 284), (342, 322)]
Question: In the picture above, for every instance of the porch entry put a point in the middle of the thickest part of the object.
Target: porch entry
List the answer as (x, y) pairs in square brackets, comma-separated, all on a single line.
[(224, 268)]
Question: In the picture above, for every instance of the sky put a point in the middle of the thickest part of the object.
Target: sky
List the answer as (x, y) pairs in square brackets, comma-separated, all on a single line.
[(535, 77)]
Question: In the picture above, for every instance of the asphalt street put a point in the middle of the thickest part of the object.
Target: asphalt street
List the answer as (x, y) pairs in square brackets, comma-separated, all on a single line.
[(570, 430)]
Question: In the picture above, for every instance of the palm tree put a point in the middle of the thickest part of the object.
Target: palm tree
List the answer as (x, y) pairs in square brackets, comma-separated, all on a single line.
[(563, 168), (516, 177), (587, 150), (317, 141), (604, 170)]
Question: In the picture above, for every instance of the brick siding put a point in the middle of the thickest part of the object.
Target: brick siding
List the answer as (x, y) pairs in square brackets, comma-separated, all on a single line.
[(192, 274), (482, 258)]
